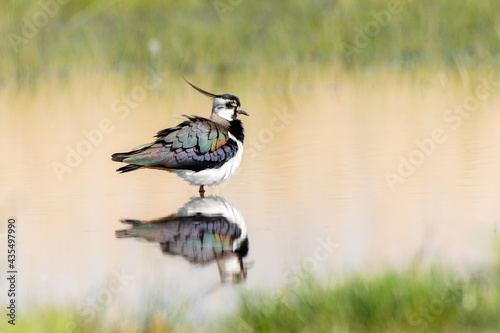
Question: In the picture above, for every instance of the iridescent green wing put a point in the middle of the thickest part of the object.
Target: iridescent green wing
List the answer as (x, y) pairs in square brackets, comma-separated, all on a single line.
[(195, 144)]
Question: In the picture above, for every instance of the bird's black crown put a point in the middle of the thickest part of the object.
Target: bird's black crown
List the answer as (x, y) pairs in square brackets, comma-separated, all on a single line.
[(231, 98)]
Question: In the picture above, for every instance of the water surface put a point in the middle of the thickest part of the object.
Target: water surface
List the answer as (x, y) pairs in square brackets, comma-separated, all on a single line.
[(312, 191)]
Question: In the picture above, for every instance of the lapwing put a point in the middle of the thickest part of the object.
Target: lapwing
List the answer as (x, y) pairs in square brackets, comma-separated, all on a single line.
[(203, 231), (202, 151)]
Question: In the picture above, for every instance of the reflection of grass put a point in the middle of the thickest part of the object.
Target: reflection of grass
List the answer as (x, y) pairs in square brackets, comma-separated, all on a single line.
[(434, 300), (283, 35)]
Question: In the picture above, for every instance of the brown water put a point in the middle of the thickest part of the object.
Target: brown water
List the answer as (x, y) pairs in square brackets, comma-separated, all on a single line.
[(314, 188)]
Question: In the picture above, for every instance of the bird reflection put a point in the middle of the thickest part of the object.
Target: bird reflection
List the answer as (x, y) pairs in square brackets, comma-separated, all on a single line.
[(204, 230)]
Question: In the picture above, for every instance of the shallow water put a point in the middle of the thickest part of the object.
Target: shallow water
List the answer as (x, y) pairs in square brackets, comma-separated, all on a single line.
[(313, 191)]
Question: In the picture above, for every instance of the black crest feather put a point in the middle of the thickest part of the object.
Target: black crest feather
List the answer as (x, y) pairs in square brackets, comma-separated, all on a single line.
[(204, 92)]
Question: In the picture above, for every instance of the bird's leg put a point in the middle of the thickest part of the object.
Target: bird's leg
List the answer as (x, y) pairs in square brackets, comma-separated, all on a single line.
[(202, 191)]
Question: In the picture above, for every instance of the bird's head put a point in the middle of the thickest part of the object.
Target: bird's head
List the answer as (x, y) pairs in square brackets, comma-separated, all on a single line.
[(225, 106)]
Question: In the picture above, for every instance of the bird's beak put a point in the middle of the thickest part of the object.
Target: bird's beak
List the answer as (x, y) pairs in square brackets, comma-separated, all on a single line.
[(240, 111)]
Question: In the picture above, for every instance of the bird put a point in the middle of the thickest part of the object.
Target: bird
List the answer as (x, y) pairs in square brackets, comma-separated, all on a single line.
[(203, 231), (202, 151)]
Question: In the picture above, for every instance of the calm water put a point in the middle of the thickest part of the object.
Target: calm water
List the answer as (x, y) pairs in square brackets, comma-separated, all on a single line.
[(336, 177)]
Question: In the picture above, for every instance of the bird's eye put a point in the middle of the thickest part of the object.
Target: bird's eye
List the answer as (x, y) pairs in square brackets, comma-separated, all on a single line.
[(230, 105)]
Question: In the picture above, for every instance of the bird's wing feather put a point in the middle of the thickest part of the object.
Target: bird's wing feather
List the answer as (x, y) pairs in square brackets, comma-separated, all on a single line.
[(195, 144)]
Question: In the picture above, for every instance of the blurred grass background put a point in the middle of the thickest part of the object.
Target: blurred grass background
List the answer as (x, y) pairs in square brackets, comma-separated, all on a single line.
[(432, 299), (226, 37)]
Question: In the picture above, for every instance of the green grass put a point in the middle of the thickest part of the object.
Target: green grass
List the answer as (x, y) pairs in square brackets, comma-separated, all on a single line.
[(272, 37), (411, 300), (407, 301)]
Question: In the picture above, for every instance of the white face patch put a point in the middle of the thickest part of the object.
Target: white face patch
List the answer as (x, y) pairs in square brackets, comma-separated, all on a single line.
[(221, 108)]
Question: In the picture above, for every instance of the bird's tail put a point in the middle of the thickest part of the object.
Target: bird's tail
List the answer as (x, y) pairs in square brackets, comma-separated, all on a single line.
[(128, 167), (120, 157), (131, 221), (125, 233), (128, 232)]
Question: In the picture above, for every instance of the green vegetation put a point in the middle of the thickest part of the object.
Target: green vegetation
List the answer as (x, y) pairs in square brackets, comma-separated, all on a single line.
[(413, 300), (219, 36), (407, 301)]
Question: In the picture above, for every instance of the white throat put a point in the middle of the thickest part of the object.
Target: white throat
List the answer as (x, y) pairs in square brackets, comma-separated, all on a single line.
[(225, 113)]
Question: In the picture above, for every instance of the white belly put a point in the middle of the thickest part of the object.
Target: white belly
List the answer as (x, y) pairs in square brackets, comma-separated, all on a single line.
[(213, 176)]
